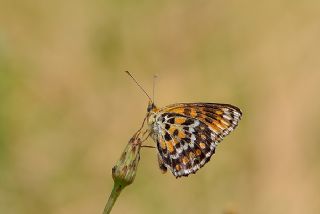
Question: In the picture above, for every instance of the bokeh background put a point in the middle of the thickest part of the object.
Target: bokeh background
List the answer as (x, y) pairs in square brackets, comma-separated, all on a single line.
[(67, 109)]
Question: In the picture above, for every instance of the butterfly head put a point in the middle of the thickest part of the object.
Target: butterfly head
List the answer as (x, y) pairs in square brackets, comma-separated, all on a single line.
[(151, 106), (151, 114)]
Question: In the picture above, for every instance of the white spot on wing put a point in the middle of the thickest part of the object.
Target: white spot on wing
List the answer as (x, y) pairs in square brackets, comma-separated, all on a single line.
[(179, 150), (212, 146), (227, 117), (208, 154), (195, 124), (185, 146), (176, 156), (193, 138)]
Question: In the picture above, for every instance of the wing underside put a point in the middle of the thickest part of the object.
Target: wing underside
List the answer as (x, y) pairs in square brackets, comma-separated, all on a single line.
[(190, 133)]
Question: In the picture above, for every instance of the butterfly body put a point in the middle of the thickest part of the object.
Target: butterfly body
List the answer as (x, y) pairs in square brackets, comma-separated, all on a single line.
[(187, 134)]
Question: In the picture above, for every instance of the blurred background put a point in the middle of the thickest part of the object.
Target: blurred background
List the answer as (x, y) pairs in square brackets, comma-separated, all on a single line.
[(67, 109)]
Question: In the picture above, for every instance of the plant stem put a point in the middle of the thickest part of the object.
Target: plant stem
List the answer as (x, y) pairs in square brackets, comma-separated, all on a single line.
[(117, 188)]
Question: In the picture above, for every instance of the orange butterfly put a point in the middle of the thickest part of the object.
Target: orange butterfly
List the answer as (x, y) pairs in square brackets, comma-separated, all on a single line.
[(187, 134)]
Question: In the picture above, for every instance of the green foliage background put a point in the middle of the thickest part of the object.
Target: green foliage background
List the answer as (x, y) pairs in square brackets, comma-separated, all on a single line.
[(67, 109)]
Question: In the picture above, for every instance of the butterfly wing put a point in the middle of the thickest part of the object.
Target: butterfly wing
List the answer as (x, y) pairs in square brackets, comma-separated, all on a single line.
[(188, 134)]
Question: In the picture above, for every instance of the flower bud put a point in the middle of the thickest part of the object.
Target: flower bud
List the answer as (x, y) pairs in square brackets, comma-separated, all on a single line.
[(124, 171)]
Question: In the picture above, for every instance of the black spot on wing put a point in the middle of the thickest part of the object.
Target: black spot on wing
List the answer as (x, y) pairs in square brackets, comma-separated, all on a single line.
[(188, 122), (209, 114), (167, 126), (167, 136), (186, 128), (178, 145), (208, 120), (162, 119), (196, 161), (187, 111), (171, 120), (186, 140)]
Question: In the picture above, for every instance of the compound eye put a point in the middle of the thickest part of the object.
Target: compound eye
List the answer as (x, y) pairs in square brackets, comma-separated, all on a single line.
[(150, 107)]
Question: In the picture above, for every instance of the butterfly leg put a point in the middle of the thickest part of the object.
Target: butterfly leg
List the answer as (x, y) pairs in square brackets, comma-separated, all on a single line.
[(148, 133), (162, 167), (146, 146)]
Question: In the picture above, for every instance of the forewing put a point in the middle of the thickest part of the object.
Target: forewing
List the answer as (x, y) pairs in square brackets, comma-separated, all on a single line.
[(190, 132)]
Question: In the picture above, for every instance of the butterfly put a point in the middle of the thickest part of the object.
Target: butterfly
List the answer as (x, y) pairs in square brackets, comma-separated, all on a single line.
[(187, 134)]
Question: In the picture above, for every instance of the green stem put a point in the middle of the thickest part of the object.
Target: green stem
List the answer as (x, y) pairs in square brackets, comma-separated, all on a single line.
[(117, 188)]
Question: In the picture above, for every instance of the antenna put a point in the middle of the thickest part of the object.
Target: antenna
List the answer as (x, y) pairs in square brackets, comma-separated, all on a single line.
[(139, 85), (154, 85)]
